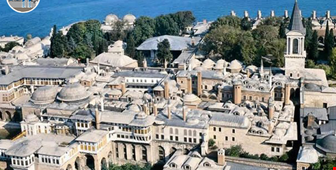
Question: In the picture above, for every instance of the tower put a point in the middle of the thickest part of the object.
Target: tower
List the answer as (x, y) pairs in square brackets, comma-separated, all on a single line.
[(237, 87), (295, 54)]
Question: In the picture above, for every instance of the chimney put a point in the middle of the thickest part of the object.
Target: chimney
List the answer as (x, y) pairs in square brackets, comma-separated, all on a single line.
[(102, 103), (270, 127), (287, 94), (144, 63), (193, 41), (259, 15), (248, 73), (87, 62), (270, 108), (145, 108), (286, 14), (246, 14), (168, 111), (199, 83), (165, 64), (155, 110), (311, 120), (166, 90), (314, 15), (221, 157), (328, 14), (204, 21), (98, 69), (237, 87), (233, 13), (123, 88), (97, 118), (185, 112), (272, 14), (189, 85)]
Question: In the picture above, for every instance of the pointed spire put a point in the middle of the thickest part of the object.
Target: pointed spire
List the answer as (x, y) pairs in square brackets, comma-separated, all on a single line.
[(296, 20)]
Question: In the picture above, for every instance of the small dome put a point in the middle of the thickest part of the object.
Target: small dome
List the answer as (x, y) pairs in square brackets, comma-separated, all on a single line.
[(208, 63), (73, 92), (129, 18), (235, 64), (134, 108), (158, 88), (190, 98), (44, 95), (31, 118), (18, 49), (141, 115), (110, 19), (328, 143), (311, 86), (115, 92)]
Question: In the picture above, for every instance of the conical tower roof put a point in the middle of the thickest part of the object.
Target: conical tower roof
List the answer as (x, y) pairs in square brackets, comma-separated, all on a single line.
[(296, 20)]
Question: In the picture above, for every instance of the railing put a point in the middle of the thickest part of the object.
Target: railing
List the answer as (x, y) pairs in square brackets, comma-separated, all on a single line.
[(20, 135)]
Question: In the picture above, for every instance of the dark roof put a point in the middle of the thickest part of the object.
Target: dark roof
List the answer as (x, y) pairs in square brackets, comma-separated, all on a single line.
[(296, 20), (332, 113)]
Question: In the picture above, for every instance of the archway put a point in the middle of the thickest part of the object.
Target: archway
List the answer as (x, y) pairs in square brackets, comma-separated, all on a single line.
[(104, 164), (295, 46), (8, 116), (77, 164), (90, 162), (69, 167), (162, 154), (110, 158)]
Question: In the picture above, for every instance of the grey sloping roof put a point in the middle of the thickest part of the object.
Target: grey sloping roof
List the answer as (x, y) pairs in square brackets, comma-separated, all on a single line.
[(237, 166), (176, 43), (296, 20), (185, 56), (327, 128), (144, 74), (223, 119), (39, 72), (332, 113), (93, 136), (319, 113), (24, 148), (53, 150)]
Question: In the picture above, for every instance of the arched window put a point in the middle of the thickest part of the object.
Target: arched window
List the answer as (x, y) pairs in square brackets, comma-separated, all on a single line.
[(295, 46), (161, 153)]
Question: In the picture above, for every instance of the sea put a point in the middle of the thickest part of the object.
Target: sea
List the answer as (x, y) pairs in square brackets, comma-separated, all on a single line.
[(65, 12)]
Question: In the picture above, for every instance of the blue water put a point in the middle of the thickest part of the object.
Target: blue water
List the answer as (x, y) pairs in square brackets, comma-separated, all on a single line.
[(64, 12)]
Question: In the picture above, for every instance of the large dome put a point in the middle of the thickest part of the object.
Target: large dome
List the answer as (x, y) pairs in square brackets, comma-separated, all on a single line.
[(129, 18), (328, 143), (73, 92), (44, 95), (235, 64), (110, 19)]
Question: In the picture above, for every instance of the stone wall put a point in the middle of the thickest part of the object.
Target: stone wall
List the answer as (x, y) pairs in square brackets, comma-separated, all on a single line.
[(260, 163)]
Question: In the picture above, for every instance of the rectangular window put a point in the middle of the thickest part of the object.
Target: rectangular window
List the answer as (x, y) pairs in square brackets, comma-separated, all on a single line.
[(185, 139), (214, 136), (214, 129), (233, 139), (226, 138), (272, 149), (157, 136), (220, 129), (233, 131), (176, 138), (278, 149), (162, 137), (171, 137)]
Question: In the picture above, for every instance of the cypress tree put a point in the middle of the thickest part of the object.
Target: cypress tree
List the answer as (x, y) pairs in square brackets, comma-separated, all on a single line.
[(327, 50), (313, 47)]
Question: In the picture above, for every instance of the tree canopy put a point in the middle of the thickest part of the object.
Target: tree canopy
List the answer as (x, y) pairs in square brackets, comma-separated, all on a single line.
[(163, 53)]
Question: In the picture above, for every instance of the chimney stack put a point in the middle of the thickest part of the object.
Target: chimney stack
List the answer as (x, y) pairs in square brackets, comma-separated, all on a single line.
[(221, 157), (189, 85), (272, 14), (123, 88), (168, 111), (144, 62), (259, 15), (102, 103), (199, 83), (166, 90), (270, 109), (270, 127), (314, 15), (233, 13), (286, 14), (328, 14), (287, 94), (145, 108), (97, 114), (185, 112), (155, 110), (237, 87), (246, 14), (204, 21)]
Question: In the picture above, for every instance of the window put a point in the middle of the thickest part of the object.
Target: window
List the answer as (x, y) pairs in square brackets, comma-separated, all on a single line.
[(157, 136), (226, 138), (278, 149), (176, 138), (233, 130), (220, 129), (295, 46), (272, 149), (214, 129), (171, 137), (233, 139), (214, 136), (185, 139), (162, 137)]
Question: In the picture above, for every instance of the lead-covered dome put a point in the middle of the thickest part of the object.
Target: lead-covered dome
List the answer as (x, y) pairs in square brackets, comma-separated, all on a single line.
[(73, 92), (328, 143), (129, 18), (44, 95), (111, 19)]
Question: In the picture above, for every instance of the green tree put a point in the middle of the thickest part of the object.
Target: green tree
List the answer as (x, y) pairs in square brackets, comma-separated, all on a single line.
[(183, 19), (246, 24), (144, 28), (59, 46), (130, 49), (327, 43), (273, 21), (9, 46), (29, 37), (312, 47), (82, 52), (165, 25), (232, 21), (211, 143), (333, 61), (163, 53), (235, 151)]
